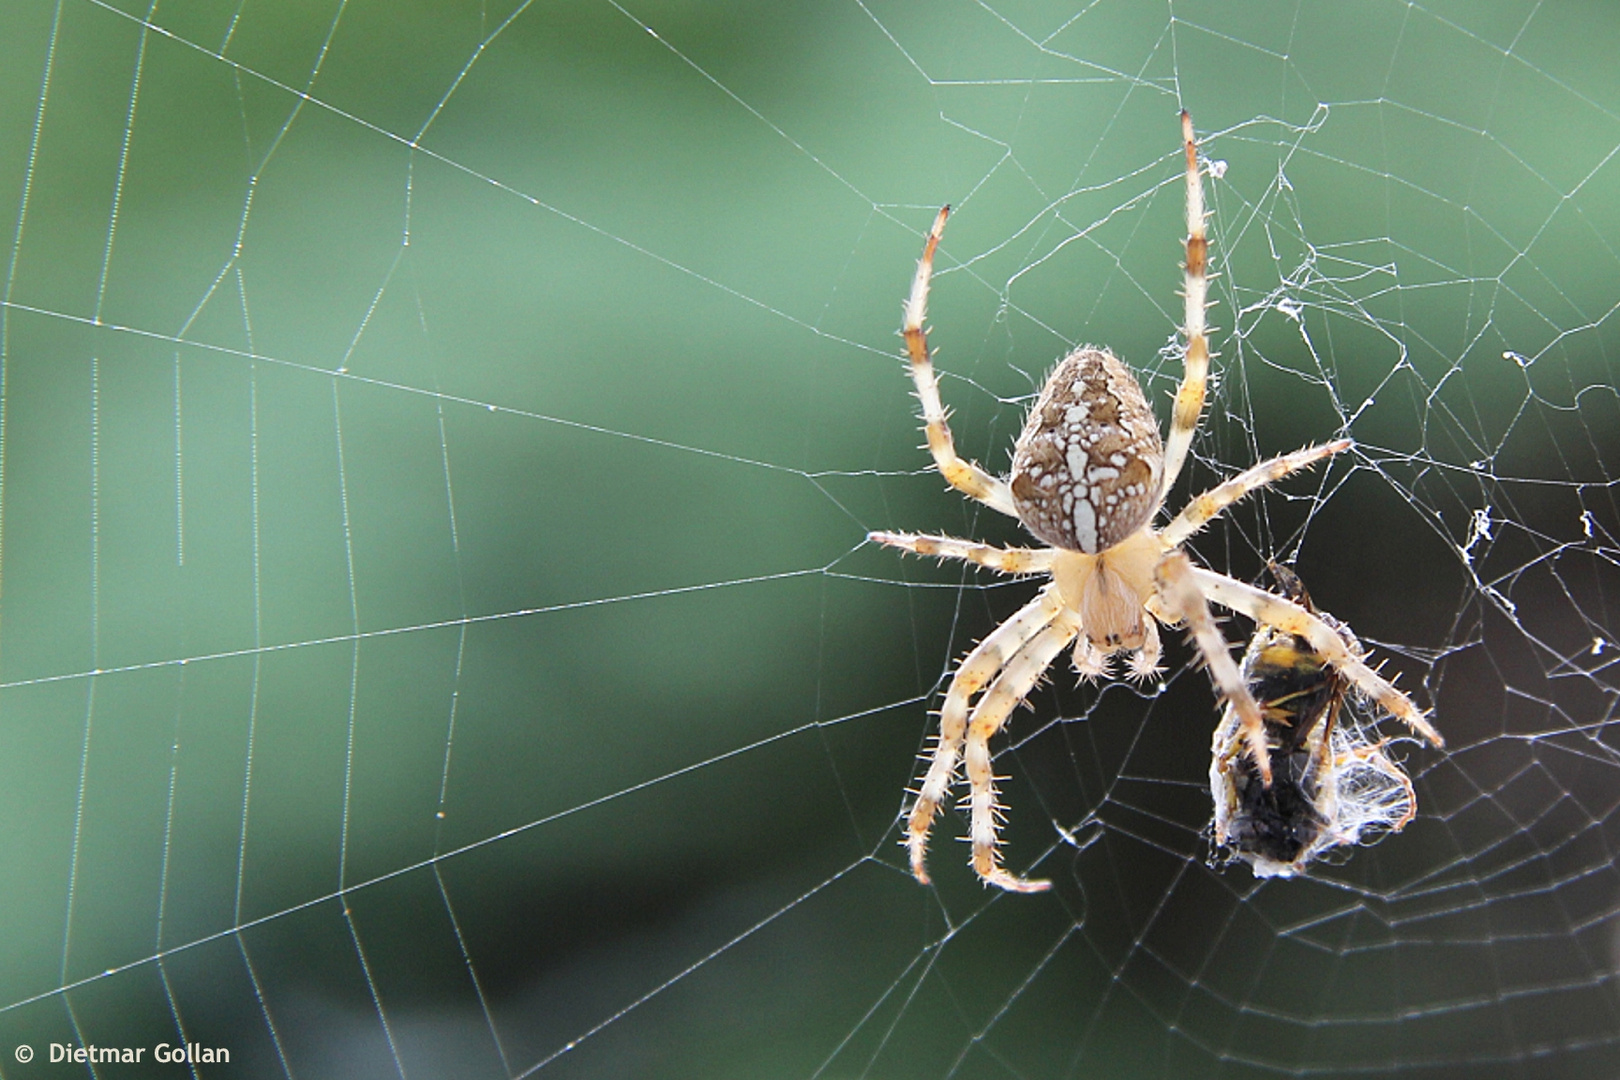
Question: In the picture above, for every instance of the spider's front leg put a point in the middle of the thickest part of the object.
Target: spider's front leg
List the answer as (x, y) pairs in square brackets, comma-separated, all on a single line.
[(961, 474), (1014, 683), (1289, 617), (976, 671), (1181, 593)]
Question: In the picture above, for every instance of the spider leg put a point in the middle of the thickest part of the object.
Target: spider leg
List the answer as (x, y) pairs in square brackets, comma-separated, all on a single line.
[(961, 474), (1016, 680), (1289, 617), (974, 673), (1190, 394), (1202, 510), (1006, 560), (1182, 588)]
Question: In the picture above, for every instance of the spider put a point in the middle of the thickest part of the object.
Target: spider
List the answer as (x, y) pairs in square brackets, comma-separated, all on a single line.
[(1089, 474), (1331, 783)]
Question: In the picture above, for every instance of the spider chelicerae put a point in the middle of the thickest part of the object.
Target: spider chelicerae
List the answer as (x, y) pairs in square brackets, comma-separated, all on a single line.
[(1089, 474)]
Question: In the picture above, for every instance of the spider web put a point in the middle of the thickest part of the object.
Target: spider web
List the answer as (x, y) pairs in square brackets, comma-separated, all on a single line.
[(436, 451)]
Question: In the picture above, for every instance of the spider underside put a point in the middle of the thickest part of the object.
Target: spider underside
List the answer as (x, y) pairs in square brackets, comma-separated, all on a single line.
[(1089, 474)]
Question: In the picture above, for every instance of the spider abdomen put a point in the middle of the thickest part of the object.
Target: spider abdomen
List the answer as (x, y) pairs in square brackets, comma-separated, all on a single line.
[(1087, 467)]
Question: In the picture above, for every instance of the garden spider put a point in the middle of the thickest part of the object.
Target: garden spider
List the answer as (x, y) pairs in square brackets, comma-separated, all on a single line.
[(1089, 473)]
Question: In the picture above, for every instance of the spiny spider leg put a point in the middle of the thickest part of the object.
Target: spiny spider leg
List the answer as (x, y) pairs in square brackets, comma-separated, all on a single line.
[(975, 672), (1195, 290), (1177, 583), (1014, 683), (961, 474), (1198, 513), (1006, 560), (1263, 607)]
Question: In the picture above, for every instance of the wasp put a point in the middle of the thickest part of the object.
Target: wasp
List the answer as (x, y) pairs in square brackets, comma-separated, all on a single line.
[(1331, 782)]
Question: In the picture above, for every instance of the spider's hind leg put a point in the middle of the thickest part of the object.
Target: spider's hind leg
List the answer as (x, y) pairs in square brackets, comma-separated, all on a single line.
[(961, 474), (1195, 291)]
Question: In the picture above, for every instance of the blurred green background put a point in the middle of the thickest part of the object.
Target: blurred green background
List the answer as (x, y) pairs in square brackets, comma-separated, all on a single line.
[(437, 637)]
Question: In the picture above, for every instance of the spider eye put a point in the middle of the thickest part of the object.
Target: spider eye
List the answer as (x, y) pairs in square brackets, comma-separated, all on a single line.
[(1087, 468)]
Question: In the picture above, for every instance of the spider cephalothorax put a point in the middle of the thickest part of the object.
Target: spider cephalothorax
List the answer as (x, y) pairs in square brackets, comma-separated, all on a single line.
[(1089, 474)]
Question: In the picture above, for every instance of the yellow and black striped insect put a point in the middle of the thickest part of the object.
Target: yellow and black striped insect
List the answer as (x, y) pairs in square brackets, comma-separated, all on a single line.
[(1331, 783)]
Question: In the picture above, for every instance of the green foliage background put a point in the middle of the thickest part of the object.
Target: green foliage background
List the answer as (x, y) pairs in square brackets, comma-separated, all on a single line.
[(443, 436)]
